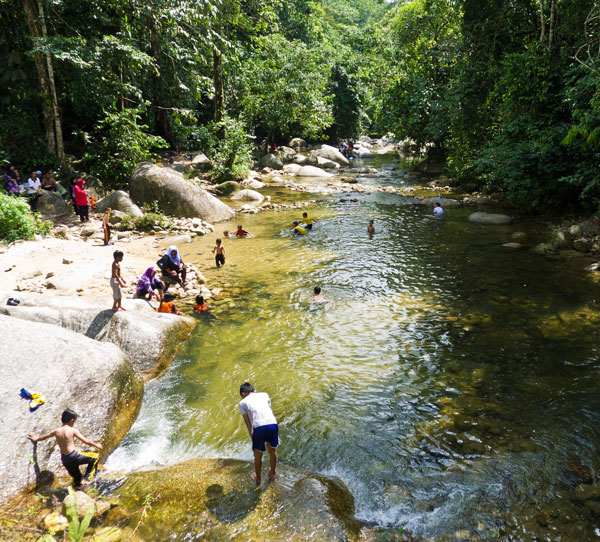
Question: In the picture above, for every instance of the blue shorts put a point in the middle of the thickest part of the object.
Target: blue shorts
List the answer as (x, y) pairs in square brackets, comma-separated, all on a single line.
[(265, 433)]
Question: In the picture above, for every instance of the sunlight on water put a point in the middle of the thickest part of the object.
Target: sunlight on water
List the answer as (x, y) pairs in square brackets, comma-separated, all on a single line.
[(446, 382)]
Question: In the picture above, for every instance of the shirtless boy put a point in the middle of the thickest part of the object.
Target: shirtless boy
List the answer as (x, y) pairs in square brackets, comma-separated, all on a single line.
[(371, 228), (116, 280), (71, 459), (220, 255), (262, 426)]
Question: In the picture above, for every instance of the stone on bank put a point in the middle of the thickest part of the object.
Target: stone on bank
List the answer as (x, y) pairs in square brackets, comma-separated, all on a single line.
[(96, 379)]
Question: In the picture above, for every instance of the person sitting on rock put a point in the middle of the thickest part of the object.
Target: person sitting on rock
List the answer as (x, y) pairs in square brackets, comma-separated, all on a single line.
[(65, 437), (150, 285), (168, 306), (49, 181), (241, 232), (11, 180), (172, 266)]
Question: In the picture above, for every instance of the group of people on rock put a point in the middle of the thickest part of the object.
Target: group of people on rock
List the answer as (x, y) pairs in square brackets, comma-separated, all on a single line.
[(14, 185)]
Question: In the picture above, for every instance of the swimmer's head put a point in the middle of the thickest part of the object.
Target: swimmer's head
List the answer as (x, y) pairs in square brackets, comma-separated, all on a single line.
[(225, 233), (199, 300), (295, 222), (304, 215), (68, 416), (245, 389), (370, 222), (317, 290)]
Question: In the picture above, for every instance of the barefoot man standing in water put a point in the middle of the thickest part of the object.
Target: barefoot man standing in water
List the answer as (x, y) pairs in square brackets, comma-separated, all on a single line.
[(262, 426)]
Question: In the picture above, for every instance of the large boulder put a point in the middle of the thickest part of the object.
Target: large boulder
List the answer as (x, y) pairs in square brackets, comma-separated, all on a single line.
[(312, 171), (286, 153), (227, 188), (300, 159), (291, 169), (248, 195), (175, 195), (271, 161), (489, 218), (149, 338), (50, 204), (331, 153), (298, 144), (326, 164), (362, 152), (119, 201), (217, 497), (93, 378)]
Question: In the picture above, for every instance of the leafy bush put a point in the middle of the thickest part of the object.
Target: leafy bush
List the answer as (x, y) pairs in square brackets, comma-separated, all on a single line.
[(17, 221), (120, 142), (232, 150), (148, 220)]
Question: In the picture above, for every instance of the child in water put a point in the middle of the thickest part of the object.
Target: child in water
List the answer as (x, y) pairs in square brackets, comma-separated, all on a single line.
[(318, 297), (71, 459), (241, 232), (298, 230), (371, 228), (220, 255), (168, 306), (200, 306)]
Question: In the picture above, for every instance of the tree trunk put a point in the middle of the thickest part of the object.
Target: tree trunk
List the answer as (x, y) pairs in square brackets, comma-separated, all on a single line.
[(542, 21), (162, 123), (60, 149), (552, 28), (30, 15), (218, 83)]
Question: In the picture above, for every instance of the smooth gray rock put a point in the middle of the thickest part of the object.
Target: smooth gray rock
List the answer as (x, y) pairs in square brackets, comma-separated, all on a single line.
[(148, 337), (248, 195), (175, 195), (95, 379), (312, 171), (300, 159), (271, 161), (582, 244), (286, 153), (512, 246), (297, 144), (50, 204), (116, 217), (331, 153), (489, 218), (561, 240), (119, 201), (326, 164), (200, 160), (588, 226), (291, 169)]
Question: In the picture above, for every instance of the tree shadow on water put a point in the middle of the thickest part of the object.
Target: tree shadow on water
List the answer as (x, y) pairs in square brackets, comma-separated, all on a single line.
[(233, 506)]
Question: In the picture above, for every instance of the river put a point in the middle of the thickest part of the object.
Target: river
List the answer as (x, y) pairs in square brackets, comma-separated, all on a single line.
[(452, 385)]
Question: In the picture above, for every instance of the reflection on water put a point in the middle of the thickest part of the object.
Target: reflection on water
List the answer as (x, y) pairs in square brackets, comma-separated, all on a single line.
[(451, 385)]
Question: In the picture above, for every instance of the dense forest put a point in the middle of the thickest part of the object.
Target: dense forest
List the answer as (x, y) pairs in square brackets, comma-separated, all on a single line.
[(505, 93)]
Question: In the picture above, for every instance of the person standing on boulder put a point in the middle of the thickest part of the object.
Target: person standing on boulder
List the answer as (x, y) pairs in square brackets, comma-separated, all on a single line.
[(71, 459), (262, 426), (116, 280)]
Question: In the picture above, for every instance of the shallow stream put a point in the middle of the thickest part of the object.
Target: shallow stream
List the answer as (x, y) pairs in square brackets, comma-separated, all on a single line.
[(452, 385)]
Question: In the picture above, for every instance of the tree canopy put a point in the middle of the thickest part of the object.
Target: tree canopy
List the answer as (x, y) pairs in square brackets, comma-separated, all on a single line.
[(504, 93)]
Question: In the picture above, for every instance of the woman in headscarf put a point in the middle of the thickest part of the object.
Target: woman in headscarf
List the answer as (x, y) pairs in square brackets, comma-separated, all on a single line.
[(150, 284), (172, 266)]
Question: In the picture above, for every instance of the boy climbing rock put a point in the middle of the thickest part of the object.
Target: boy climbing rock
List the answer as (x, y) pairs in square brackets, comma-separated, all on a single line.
[(71, 459)]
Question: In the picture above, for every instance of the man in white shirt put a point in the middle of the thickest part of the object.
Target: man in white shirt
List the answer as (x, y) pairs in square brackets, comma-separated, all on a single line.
[(34, 186), (262, 426), (438, 211)]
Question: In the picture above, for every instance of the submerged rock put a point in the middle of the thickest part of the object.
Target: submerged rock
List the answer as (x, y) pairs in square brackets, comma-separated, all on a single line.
[(149, 338), (489, 218), (217, 497), (93, 378)]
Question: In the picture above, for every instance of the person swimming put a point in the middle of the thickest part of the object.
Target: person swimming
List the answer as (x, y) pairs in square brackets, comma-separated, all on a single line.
[(298, 230)]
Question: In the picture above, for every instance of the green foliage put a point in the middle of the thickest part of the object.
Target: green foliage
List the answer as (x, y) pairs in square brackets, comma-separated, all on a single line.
[(284, 89), (77, 529), (17, 221), (119, 143), (231, 150), (149, 220)]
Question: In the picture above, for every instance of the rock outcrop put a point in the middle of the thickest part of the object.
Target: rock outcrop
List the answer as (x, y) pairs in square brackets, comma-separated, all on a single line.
[(119, 201), (147, 337), (50, 205), (175, 195), (271, 160), (218, 498), (96, 379), (490, 218), (248, 195), (331, 153)]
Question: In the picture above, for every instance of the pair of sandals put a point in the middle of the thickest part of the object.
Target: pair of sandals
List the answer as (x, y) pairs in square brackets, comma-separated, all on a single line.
[(12, 301)]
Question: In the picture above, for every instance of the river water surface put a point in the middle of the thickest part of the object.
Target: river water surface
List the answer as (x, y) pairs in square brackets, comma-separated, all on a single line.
[(453, 386)]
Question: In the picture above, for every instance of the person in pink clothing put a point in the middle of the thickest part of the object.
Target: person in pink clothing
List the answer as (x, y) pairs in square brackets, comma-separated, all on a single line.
[(81, 200)]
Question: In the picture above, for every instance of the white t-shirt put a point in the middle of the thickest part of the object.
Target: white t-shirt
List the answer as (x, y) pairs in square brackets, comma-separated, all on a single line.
[(438, 211), (258, 406), (33, 186)]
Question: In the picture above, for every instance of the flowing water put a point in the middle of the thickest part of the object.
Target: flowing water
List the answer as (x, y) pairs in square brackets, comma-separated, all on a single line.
[(453, 386)]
